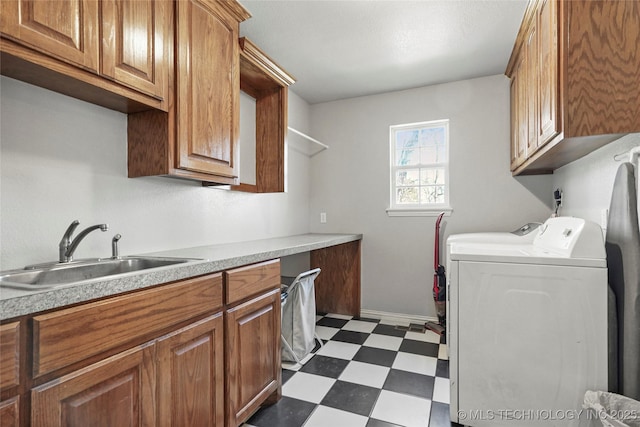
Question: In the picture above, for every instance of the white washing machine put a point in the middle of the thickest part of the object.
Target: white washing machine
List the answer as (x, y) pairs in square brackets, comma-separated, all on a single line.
[(527, 325)]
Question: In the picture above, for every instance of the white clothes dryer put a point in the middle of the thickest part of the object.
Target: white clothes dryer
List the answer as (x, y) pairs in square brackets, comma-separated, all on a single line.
[(527, 325)]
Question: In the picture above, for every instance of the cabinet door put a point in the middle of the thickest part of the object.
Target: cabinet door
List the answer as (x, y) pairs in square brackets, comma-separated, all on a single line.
[(531, 51), (135, 35), (65, 29), (117, 391), (523, 109), (516, 159), (548, 125), (208, 88), (253, 355), (191, 375), (10, 412), (10, 373), (9, 355)]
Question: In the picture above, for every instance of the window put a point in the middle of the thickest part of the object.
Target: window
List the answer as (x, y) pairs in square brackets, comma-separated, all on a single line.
[(419, 168)]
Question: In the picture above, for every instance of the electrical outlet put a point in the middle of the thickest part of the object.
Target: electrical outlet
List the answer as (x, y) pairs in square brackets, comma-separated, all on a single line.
[(323, 217)]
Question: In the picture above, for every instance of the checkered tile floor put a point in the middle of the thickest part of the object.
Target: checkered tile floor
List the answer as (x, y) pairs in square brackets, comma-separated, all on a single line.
[(367, 374)]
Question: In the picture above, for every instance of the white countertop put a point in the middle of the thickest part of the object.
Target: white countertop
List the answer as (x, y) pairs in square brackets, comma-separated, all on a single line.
[(14, 302)]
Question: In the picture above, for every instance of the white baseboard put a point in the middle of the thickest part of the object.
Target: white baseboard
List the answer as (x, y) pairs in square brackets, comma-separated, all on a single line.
[(396, 318)]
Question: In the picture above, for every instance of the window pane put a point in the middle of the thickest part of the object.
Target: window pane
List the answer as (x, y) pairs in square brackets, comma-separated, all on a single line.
[(408, 177), (432, 176), (432, 135), (407, 195), (408, 157), (442, 151), (432, 194), (406, 139), (430, 154)]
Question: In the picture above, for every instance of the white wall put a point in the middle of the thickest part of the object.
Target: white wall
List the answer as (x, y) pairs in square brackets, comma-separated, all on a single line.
[(587, 183), (64, 159), (350, 182)]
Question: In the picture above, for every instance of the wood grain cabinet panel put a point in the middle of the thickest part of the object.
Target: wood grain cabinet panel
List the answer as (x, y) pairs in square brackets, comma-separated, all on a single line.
[(198, 138), (134, 44), (548, 86), (10, 412), (244, 282), (208, 88), (253, 356), (584, 80), (70, 335), (532, 69), (118, 391), (518, 115), (338, 285), (9, 355), (191, 375), (114, 53), (65, 29)]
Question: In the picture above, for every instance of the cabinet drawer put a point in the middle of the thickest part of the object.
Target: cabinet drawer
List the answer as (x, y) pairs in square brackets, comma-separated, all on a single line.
[(9, 355), (246, 281), (71, 335)]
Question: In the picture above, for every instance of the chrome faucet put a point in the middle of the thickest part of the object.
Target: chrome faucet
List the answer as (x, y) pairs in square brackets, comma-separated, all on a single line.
[(68, 247)]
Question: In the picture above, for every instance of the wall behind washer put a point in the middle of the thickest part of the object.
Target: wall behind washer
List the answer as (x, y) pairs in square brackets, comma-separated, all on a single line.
[(64, 159), (350, 182), (587, 183)]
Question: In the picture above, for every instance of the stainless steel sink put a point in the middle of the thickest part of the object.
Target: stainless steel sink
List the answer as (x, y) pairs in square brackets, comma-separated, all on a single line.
[(59, 274)]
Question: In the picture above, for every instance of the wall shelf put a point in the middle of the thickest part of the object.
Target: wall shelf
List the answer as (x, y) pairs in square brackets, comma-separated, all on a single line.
[(304, 144)]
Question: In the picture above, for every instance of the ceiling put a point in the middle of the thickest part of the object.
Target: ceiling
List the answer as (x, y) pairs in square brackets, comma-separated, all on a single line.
[(349, 48)]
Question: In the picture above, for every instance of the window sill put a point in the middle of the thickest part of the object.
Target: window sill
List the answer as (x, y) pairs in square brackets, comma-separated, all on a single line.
[(420, 211)]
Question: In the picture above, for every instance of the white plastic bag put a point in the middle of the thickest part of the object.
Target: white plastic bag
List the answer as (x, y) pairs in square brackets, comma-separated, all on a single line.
[(612, 409)]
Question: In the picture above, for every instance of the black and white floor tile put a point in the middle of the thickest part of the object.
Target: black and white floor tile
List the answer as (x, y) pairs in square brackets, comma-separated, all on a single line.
[(367, 374)]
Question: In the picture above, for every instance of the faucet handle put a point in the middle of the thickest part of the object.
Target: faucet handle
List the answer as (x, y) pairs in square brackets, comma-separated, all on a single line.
[(114, 246)]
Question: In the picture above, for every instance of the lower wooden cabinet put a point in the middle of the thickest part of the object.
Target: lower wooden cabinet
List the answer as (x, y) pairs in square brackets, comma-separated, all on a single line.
[(190, 373), (182, 354), (10, 374), (176, 380), (253, 356), (117, 391), (10, 412)]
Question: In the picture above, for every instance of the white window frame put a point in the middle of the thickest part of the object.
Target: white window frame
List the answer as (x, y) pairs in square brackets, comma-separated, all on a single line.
[(425, 209)]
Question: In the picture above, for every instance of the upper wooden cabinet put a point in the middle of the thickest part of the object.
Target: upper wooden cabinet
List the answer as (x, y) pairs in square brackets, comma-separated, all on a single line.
[(113, 53), (134, 50), (575, 71), (67, 30), (518, 114), (198, 137)]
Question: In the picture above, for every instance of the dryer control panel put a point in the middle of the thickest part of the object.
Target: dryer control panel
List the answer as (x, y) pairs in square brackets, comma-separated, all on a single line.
[(571, 237)]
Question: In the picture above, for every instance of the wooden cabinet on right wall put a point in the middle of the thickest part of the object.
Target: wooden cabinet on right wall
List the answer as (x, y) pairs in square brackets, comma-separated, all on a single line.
[(575, 81)]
